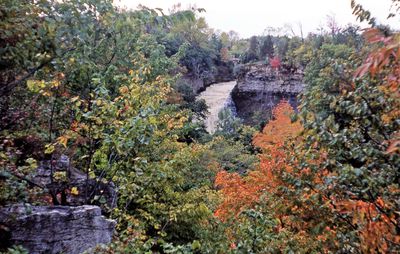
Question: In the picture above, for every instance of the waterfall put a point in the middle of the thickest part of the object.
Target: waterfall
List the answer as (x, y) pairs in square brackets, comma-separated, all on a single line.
[(217, 97), (230, 104)]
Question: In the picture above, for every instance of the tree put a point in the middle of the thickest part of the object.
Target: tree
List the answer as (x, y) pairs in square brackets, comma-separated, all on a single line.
[(225, 40), (224, 55), (341, 118), (267, 48), (282, 46), (242, 193), (85, 79), (233, 37), (264, 211), (252, 52)]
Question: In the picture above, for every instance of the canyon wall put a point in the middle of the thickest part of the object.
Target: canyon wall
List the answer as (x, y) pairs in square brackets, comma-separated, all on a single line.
[(54, 229), (260, 88)]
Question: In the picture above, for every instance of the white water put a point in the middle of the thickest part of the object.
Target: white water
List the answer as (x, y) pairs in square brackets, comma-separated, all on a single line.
[(217, 97)]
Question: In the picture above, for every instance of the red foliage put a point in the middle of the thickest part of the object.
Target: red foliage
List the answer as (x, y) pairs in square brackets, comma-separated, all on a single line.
[(275, 63)]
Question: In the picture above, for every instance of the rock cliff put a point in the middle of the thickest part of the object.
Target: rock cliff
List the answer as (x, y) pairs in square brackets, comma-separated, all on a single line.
[(57, 229), (260, 88), (96, 191)]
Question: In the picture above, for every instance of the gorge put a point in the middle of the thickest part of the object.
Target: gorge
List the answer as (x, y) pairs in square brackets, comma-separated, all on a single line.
[(149, 131), (257, 90)]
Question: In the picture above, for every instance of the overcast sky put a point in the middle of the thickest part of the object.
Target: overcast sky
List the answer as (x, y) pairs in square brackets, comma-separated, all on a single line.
[(252, 17)]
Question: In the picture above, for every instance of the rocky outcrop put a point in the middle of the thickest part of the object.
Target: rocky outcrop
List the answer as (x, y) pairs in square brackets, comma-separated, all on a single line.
[(260, 88), (197, 84), (223, 72), (58, 229), (92, 190)]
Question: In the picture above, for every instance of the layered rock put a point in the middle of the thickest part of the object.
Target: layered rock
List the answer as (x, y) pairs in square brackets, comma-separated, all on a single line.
[(260, 88), (93, 190), (57, 229)]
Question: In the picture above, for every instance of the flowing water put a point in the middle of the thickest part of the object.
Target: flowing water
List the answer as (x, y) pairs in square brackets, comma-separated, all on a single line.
[(217, 97)]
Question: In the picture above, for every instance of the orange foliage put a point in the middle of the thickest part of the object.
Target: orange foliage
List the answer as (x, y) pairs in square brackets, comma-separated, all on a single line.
[(242, 193), (237, 193), (302, 212), (263, 184), (375, 228), (280, 129)]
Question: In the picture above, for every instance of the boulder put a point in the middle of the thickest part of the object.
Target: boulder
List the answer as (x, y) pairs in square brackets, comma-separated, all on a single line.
[(55, 229)]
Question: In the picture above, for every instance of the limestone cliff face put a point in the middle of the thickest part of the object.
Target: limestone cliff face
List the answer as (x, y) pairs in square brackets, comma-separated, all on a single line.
[(260, 88), (96, 189), (56, 229)]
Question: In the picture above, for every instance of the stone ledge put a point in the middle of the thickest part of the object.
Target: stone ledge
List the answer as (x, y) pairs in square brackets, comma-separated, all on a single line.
[(56, 229)]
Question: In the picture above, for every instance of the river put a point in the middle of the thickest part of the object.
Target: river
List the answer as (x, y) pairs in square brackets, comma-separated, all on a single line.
[(217, 97)]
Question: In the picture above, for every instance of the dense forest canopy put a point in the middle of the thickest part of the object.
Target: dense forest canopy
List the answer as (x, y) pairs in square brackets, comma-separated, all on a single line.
[(110, 89)]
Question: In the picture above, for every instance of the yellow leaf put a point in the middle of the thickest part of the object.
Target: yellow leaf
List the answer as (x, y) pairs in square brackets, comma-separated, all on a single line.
[(74, 191), (56, 83), (31, 85), (60, 176), (73, 99), (49, 149), (196, 245)]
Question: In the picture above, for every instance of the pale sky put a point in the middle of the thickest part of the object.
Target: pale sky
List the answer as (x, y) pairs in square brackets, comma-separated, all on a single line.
[(252, 17)]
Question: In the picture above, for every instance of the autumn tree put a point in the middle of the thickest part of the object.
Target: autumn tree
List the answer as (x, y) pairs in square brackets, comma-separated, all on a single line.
[(264, 212)]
